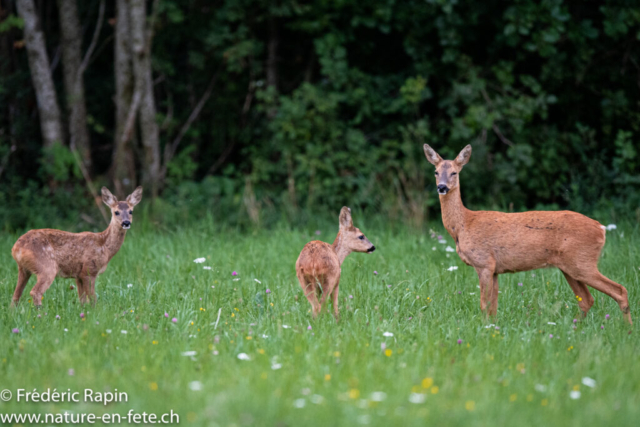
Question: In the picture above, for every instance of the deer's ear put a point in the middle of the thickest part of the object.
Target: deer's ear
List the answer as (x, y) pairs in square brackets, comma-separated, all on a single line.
[(108, 198), (135, 197), (431, 155), (463, 158), (345, 218)]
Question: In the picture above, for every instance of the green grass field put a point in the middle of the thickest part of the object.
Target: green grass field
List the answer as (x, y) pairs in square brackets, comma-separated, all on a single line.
[(445, 364)]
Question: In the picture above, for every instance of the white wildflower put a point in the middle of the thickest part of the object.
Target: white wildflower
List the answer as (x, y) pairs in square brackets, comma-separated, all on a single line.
[(189, 353), (449, 249), (417, 398), (589, 382), (575, 394), (195, 385), (299, 403), (453, 268), (378, 396), (244, 356), (199, 260), (388, 334)]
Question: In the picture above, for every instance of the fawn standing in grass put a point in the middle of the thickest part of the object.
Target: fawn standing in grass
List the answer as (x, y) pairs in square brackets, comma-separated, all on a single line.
[(495, 242), (49, 253), (318, 266)]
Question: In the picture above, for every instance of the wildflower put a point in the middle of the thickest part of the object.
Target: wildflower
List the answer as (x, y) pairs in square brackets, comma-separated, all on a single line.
[(153, 386), (15, 330), (611, 227), (470, 405), (108, 331), (350, 296), (378, 396), (388, 334), (154, 342), (435, 389), (206, 267), (550, 335), (318, 232), (354, 393), (174, 320), (123, 332), (427, 382), (82, 315), (327, 377), (189, 353), (234, 273), (589, 382), (130, 285), (574, 394), (375, 272), (388, 352), (299, 403), (166, 314), (39, 316), (453, 268), (199, 260), (459, 341), (71, 372), (244, 356), (519, 283), (575, 320), (449, 249), (606, 317), (268, 291), (309, 328), (417, 398), (195, 385), (602, 327), (57, 317)]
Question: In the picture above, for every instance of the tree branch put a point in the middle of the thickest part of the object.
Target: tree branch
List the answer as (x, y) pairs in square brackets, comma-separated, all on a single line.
[(94, 41), (496, 129)]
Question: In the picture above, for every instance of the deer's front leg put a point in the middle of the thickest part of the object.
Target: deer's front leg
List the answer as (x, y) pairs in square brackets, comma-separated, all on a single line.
[(83, 285), (486, 286), (493, 308)]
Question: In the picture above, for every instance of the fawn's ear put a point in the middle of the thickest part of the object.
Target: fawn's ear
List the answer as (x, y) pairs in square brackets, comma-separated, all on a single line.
[(463, 158), (345, 218), (108, 198), (433, 157), (135, 197)]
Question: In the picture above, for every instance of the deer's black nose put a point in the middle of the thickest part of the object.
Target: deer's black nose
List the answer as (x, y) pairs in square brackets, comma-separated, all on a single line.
[(442, 189), (371, 249), (126, 224)]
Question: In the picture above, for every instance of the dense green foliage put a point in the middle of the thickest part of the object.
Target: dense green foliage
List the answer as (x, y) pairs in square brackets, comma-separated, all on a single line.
[(514, 375), (546, 92)]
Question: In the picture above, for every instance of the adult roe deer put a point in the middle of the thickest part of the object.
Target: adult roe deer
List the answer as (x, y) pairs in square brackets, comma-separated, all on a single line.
[(48, 253), (318, 266), (495, 242)]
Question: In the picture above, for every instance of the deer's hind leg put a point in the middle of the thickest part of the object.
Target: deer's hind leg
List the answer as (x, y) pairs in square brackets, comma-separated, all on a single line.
[(23, 278), (330, 287), (309, 290), (45, 279), (334, 299), (82, 286), (586, 300)]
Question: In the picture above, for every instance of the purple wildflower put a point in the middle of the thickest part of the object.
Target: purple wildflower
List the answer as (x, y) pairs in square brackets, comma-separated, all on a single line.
[(375, 272), (459, 341), (235, 273), (606, 317), (309, 328), (268, 291), (57, 317), (350, 296), (71, 372), (602, 327), (15, 330), (166, 315), (519, 283), (82, 315), (174, 320), (550, 335), (575, 320)]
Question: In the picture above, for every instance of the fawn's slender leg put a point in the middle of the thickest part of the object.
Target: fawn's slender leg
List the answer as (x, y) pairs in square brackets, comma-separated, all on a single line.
[(580, 290), (334, 299), (83, 292), (23, 278), (309, 290), (45, 279), (92, 289)]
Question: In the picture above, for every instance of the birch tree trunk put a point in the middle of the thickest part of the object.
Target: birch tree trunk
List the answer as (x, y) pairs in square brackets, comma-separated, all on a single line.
[(123, 165), (71, 45), (48, 109), (141, 49)]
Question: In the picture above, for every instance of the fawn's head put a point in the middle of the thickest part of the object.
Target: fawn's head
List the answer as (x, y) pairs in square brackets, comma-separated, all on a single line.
[(447, 170), (351, 237), (121, 212)]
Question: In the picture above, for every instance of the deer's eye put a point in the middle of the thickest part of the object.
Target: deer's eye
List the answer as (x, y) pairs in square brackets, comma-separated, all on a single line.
[(453, 173), (117, 213), (130, 212), (436, 173), (361, 237)]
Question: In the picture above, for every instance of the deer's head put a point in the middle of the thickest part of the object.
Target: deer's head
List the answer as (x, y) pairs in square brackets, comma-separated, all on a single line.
[(121, 212), (447, 170), (351, 237)]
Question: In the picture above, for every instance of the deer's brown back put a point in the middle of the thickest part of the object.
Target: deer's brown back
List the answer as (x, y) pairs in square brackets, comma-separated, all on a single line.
[(318, 259)]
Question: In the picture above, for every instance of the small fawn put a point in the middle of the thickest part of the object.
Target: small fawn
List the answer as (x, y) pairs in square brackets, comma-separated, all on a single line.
[(495, 242), (49, 253), (318, 266)]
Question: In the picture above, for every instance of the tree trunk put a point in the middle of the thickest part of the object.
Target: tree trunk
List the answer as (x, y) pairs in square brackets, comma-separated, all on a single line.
[(141, 49), (272, 54), (123, 164), (48, 109), (71, 40)]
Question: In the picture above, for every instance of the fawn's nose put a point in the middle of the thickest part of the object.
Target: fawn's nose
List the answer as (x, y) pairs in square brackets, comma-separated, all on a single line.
[(442, 189), (371, 249), (126, 224)]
